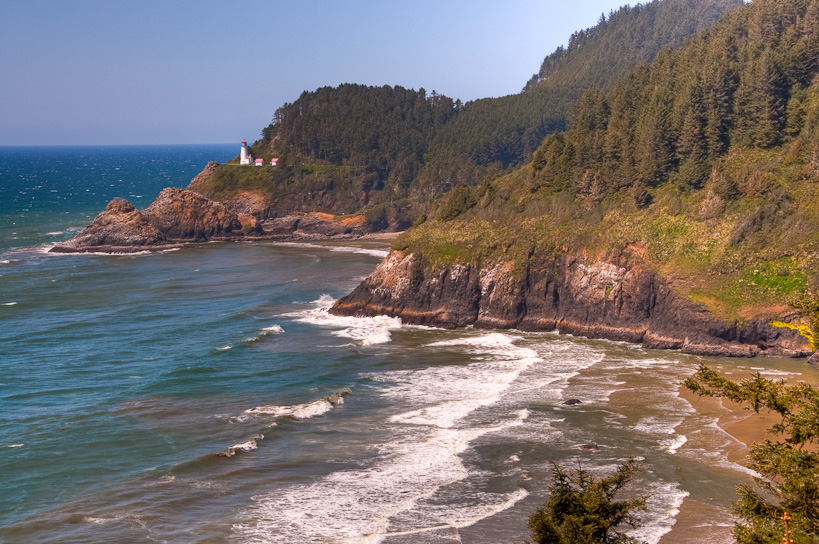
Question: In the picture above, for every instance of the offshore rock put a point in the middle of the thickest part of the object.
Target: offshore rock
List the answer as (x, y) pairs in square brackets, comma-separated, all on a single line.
[(615, 298), (177, 216), (119, 226)]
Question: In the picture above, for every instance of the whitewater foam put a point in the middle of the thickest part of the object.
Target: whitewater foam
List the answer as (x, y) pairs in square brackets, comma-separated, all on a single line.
[(364, 331), (663, 506), (303, 411), (249, 445), (675, 444), (400, 493), (362, 505), (380, 253), (450, 393), (273, 329)]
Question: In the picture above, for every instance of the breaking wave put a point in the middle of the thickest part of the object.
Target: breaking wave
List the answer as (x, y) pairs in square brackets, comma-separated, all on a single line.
[(302, 411), (419, 482), (364, 331), (250, 445)]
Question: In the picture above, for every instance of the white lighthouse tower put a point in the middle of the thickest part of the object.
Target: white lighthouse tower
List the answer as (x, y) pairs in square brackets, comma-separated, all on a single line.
[(245, 157)]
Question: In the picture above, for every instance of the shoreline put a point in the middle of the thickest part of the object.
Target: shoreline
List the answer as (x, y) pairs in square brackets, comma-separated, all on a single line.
[(697, 521), (178, 244)]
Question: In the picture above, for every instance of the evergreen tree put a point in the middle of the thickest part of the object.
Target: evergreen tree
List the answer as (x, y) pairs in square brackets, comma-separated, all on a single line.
[(787, 466), (583, 510)]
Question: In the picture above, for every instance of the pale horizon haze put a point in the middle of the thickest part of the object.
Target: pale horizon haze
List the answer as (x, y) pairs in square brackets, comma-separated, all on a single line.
[(92, 72)]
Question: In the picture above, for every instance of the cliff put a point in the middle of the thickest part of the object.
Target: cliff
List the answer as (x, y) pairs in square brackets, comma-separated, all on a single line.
[(180, 216), (177, 216), (614, 298), (672, 212)]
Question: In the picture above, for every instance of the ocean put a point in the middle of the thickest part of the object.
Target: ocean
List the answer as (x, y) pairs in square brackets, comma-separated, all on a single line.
[(205, 395)]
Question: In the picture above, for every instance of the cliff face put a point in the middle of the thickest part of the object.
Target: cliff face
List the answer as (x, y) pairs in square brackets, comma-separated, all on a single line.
[(613, 298), (185, 215), (176, 216)]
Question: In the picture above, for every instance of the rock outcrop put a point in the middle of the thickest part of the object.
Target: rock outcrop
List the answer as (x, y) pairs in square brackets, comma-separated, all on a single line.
[(315, 226), (198, 183), (184, 215), (613, 298), (177, 216)]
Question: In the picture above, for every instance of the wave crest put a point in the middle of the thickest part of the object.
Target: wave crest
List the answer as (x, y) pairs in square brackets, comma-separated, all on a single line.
[(303, 411), (250, 445)]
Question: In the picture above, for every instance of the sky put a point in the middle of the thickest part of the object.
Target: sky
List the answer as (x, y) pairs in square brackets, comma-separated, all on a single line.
[(92, 72)]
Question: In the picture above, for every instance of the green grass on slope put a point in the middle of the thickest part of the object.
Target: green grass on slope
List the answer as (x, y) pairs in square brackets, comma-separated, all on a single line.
[(739, 255)]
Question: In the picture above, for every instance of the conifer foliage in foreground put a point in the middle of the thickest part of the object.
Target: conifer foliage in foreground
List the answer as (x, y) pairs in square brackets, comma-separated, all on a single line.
[(582, 509), (788, 466)]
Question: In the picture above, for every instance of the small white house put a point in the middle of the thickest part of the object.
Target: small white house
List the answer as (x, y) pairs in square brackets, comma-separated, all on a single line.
[(259, 162), (274, 161)]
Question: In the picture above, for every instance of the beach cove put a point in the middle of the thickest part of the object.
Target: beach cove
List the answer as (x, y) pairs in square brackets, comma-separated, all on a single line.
[(206, 394)]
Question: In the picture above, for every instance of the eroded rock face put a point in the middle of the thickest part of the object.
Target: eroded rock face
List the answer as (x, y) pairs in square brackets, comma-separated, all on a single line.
[(312, 227), (185, 215), (198, 183), (120, 225), (613, 298), (175, 217)]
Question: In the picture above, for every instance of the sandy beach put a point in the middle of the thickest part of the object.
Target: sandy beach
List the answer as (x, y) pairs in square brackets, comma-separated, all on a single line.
[(746, 428)]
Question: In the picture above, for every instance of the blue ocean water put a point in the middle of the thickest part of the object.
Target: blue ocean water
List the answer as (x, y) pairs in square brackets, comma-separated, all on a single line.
[(206, 395)]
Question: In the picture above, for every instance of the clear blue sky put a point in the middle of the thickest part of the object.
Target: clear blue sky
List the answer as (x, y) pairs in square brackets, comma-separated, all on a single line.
[(208, 71)]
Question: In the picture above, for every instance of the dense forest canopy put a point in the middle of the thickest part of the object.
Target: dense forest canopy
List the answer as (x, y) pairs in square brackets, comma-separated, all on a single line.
[(745, 84), (704, 165), (356, 147), (496, 133)]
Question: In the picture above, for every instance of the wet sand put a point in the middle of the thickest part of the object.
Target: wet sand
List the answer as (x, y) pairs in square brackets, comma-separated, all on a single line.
[(700, 522)]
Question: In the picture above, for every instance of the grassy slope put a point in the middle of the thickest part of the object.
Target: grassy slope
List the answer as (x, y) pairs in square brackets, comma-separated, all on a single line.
[(742, 242), (699, 255)]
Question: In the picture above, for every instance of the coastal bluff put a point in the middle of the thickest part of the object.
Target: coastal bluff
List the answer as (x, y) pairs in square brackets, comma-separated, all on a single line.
[(181, 216), (177, 216), (613, 298)]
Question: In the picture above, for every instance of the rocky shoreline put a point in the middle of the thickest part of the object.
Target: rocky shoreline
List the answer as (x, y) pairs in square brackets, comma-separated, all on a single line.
[(181, 216), (613, 298)]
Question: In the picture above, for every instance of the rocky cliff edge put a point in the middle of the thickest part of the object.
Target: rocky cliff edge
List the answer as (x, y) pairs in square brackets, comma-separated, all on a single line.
[(613, 298), (177, 216)]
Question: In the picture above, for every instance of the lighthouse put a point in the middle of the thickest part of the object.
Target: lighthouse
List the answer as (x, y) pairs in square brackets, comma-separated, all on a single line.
[(245, 157)]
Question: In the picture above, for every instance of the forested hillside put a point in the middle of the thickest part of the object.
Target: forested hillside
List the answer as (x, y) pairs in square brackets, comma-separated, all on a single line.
[(705, 165), (391, 151), (495, 133)]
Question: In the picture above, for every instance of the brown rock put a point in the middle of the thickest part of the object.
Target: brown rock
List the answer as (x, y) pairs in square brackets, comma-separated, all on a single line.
[(188, 216), (176, 216), (120, 225), (613, 298)]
